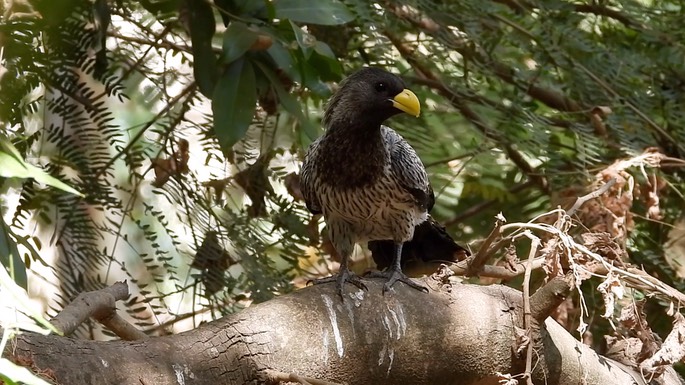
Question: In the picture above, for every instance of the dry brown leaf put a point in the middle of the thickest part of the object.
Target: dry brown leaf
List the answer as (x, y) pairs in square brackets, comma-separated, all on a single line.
[(218, 186), (597, 116), (522, 340), (602, 244), (634, 320), (671, 351), (650, 194), (255, 182), (611, 289), (551, 253), (624, 350), (292, 185), (175, 165)]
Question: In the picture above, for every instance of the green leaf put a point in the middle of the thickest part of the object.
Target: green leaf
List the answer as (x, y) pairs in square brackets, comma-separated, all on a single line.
[(283, 59), (306, 41), (13, 166), (324, 12), (238, 38), (324, 50), (9, 256), (234, 102), (289, 102), (202, 27)]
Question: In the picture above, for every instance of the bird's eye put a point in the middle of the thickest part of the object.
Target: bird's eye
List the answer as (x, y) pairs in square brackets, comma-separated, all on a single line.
[(380, 87)]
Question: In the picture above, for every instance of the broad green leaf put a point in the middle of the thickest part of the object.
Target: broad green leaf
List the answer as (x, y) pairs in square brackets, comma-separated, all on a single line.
[(238, 38), (289, 102), (202, 27), (15, 373), (304, 40), (283, 59), (13, 166), (234, 102), (9, 256), (324, 50), (327, 69), (324, 12)]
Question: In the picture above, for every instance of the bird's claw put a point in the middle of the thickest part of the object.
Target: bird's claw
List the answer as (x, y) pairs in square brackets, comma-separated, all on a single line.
[(393, 276), (340, 279)]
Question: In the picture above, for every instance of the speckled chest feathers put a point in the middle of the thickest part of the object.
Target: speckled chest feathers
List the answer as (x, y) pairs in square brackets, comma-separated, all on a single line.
[(359, 193)]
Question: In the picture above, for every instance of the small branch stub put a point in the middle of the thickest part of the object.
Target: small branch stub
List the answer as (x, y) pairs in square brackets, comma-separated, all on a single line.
[(101, 305)]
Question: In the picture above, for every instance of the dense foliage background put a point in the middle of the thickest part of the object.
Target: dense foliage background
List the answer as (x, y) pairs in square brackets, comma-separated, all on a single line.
[(183, 123)]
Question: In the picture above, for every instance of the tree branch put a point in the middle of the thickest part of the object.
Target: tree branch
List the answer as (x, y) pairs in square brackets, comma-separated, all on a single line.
[(515, 156), (464, 331), (101, 305)]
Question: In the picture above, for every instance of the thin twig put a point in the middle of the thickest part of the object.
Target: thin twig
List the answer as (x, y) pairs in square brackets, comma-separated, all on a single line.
[(494, 271), (527, 317), (628, 104), (478, 260), (635, 278), (514, 155), (134, 141), (595, 194)]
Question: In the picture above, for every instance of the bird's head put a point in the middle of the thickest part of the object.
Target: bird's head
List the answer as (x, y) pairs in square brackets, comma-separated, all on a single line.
[(372, 95)]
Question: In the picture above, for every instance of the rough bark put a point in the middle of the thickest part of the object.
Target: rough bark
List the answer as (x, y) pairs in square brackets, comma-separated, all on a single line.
[(461, 334)]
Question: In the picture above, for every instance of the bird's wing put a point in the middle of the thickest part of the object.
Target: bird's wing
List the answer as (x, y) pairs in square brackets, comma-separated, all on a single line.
[(408, 169), (307, 178)]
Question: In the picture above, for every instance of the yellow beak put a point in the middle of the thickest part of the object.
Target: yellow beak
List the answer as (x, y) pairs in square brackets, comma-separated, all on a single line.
[(408, 102)]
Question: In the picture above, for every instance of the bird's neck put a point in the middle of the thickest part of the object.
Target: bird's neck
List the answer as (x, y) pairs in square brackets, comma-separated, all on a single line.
[(355, 154)]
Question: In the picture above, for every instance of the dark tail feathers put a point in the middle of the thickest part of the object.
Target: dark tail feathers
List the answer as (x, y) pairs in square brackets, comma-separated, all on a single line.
[(430, 246)]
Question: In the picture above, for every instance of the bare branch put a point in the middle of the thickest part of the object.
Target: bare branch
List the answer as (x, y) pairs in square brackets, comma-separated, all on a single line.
[(478, 260), (547, 298), (595, 194), (527, 317), (101, 305)]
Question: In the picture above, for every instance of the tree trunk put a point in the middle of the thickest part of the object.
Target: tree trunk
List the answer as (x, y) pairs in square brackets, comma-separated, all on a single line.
[(456, 334)]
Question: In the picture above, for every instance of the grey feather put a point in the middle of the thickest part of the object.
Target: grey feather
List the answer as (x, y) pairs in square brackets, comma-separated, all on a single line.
[(408, 168)]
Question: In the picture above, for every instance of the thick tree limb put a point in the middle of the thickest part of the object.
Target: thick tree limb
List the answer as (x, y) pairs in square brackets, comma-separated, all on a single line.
[(462, 334)]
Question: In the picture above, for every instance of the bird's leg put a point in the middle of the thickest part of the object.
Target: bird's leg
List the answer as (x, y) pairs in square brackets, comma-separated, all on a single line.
[(394, 273), (344, 275)]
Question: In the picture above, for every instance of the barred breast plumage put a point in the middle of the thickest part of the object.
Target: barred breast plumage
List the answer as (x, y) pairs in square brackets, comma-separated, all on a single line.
[(382, 209), (365, 178)]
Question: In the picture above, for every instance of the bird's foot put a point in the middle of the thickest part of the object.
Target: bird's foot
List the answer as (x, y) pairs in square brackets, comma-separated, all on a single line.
[(340, 279), (393, 276)]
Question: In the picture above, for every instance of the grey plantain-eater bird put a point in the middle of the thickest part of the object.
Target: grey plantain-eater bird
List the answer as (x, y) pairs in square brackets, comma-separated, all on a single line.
[(368, 182)]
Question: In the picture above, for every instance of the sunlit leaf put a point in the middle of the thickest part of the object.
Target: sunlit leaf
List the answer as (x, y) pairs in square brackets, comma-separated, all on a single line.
[(13, 166), (306, 41), (9, 256)]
